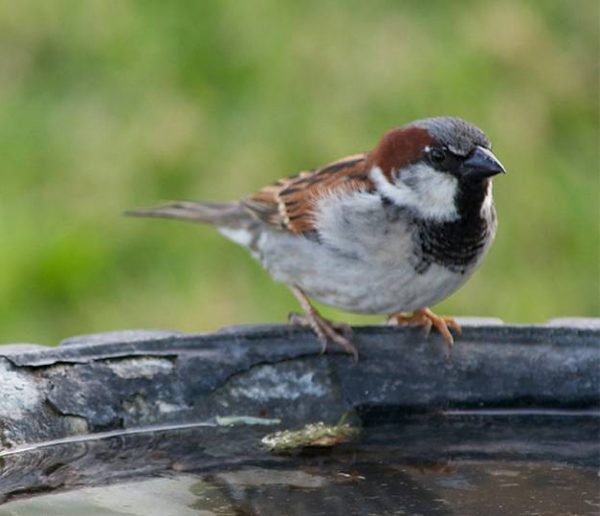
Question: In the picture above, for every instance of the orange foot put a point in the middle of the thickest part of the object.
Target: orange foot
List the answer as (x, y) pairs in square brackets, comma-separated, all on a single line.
[(326, 330), (426, 318)]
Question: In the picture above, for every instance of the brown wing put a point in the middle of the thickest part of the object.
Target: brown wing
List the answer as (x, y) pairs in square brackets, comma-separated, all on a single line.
[(290, 202)]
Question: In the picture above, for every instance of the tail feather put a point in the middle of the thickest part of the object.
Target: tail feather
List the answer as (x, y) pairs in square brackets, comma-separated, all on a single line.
[(219, 214)]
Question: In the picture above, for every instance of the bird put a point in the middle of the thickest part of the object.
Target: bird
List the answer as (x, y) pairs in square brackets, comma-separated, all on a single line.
[(391, 231)]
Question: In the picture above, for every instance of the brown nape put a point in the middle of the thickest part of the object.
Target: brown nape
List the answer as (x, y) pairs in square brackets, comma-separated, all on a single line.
[(399, 147)]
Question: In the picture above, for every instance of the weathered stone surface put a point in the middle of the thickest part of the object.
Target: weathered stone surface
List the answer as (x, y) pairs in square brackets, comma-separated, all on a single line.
[(140, 402), (130, 379)]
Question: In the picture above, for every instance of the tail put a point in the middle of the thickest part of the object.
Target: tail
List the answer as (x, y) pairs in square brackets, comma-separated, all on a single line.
[(230, 215)]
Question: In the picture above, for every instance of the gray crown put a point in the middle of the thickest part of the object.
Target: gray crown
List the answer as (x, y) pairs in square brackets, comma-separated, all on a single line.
[(460, 136)]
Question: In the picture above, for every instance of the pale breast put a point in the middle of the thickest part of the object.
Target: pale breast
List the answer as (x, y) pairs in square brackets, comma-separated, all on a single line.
[(363, 259)]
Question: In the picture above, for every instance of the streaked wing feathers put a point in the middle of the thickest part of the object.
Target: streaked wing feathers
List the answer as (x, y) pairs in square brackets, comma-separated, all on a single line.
[(290, 202)]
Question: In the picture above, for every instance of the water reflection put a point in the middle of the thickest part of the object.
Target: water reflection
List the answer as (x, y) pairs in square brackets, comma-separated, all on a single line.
[(382, 489), (456, 464)]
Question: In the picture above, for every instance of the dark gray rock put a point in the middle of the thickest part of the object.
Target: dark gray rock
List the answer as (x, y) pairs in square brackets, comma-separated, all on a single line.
[(140, 402), (130, 379)]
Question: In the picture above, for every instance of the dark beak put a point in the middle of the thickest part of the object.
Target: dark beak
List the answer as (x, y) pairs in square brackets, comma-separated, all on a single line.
[(481, 163)]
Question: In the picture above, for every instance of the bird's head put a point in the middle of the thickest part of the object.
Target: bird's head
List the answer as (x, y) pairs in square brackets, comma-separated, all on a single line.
[(437, 166)]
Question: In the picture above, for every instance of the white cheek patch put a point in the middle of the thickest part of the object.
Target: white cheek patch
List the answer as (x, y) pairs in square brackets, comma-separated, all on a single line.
[(428, 191), (435, 190)]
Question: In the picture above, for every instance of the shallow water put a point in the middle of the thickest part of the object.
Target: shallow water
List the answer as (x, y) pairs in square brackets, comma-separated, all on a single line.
[(455, 488), (462, 463)]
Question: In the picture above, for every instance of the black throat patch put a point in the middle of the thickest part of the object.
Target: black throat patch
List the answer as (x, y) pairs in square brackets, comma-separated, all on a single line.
[(457, 244)]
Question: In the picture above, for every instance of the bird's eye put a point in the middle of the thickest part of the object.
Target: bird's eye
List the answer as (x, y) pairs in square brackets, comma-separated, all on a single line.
[(437, 156)]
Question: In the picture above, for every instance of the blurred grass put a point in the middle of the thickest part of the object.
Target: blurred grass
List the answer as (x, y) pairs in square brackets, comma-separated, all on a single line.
[(106, 105)]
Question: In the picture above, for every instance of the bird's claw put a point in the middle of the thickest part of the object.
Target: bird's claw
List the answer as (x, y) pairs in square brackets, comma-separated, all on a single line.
[(326, 331), (427, 319)]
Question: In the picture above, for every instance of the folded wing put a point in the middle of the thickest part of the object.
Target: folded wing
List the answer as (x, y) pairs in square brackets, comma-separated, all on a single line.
[(290, 203)]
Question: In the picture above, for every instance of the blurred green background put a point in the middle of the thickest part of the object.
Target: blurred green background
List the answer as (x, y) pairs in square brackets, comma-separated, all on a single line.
[(112, 104)]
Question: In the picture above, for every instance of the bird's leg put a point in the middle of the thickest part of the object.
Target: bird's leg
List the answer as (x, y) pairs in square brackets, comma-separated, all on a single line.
[(426, 318), (339, 327), (326, 330)]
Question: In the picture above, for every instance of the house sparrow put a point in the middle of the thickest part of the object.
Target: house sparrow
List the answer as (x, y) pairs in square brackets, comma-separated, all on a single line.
[(389, 231)]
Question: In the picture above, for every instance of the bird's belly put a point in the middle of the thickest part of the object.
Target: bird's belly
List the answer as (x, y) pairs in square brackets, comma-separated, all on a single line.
[(381, 283), (385, 291)]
